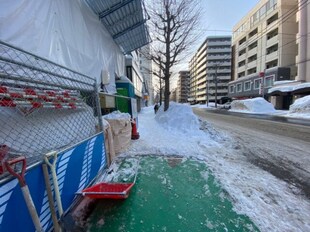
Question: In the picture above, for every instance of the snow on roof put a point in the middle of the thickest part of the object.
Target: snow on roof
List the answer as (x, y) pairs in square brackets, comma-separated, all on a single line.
[(289, 88), (257, 105)]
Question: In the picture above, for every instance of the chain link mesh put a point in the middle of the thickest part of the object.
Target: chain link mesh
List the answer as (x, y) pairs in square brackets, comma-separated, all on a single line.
[(43, 106)]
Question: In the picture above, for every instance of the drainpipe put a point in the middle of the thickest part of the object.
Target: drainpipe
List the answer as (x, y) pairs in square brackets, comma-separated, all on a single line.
[(302, 48)]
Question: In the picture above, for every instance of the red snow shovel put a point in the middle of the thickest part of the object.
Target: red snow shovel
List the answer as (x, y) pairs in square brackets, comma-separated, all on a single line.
[(25, 190), (110, 190)]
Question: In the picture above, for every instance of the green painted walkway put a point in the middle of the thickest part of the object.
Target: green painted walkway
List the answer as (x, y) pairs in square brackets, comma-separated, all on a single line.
[(171, 194)]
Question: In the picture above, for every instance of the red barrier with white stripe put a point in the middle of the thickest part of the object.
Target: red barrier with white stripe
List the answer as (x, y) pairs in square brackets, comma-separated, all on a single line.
[(37, 98)]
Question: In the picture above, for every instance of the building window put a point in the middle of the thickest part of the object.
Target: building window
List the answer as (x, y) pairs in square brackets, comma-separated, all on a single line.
[(272, 19), (252, 45), (253, 32), (268, 81), (239, 87), (247, 86), (257, 83), (231, 88), (262, 11), (242, 41), (272, 49)]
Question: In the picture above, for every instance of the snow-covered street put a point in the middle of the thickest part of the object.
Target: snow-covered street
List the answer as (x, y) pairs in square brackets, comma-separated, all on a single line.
[(271, 203)]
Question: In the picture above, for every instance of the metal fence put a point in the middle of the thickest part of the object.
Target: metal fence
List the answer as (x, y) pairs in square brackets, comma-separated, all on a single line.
[(43, 106)]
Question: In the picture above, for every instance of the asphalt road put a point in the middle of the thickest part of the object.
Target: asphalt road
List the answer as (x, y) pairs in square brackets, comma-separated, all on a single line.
[(276, 145)]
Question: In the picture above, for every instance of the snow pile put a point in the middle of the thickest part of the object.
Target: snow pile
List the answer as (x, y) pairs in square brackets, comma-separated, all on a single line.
[(178, 116), (165, 134), (300, 108), (301, 105), (254, 105), (117, 115)]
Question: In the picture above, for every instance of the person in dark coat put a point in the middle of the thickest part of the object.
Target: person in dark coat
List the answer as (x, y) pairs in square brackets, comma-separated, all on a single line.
[(156, 107)]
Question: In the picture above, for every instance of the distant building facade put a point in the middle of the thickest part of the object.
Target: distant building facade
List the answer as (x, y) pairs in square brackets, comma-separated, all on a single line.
[(146, 71), (271, 46), (173, 95), (210, 70), (182, 91)]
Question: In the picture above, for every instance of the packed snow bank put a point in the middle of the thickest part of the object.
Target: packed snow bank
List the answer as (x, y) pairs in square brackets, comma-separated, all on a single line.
[(117, 115), (254, 105), (300, 108), (301, 105), (161, 134), (178, 116)]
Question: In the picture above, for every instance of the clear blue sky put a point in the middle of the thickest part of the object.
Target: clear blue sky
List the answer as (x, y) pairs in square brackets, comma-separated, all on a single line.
[(219, 16)]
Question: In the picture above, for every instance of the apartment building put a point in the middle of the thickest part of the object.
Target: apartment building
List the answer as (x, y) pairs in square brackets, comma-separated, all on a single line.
[(210, 70), (146, 68), (182, 90), (269, 47)]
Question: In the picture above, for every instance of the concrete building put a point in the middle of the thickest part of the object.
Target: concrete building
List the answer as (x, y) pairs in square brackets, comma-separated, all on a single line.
[(210, 70), (271, 47), (146, 71), (173, 95), (183, 87)]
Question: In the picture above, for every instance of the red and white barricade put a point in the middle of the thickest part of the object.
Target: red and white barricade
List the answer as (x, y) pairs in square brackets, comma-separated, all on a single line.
[(38, 98)]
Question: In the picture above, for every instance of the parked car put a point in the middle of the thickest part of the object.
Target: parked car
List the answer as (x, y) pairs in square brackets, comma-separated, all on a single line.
[(226, 106)]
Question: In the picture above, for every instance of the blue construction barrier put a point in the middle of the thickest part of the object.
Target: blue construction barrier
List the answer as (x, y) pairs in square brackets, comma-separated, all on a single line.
[(76, 168)]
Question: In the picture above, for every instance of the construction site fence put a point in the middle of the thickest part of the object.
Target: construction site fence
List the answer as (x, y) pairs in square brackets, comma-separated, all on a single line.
[(43, 106)]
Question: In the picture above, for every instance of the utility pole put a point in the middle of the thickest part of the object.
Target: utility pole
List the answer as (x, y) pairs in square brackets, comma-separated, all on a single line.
[(215, 81), (207, 91)]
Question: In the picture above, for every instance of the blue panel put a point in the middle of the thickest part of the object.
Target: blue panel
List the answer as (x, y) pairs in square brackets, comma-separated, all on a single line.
[(75, 169)]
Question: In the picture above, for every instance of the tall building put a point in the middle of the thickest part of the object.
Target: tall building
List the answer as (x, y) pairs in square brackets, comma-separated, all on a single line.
[(210, 70), (271, 46), (183, 87), (146, 70)]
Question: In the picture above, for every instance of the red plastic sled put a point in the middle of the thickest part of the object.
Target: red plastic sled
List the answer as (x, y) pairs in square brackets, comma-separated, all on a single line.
[(108, 190)]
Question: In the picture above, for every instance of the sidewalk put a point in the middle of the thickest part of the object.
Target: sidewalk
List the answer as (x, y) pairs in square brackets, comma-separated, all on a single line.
[(171, 194)]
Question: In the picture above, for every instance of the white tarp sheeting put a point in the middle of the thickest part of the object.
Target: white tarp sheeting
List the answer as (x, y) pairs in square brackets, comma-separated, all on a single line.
[(65, 32)]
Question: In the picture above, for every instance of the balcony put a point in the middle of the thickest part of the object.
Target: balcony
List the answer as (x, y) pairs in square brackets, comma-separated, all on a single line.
[(253, 38), (252, 64), (224, 70), (218, 50), (220, 57), (201, 98), (242, 46), (252, 52), (241, 69), (272, 56), (219, 43), (242, 57), (272, 41)]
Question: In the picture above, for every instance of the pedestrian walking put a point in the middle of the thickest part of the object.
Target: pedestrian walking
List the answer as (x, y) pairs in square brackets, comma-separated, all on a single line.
[(156, 108)]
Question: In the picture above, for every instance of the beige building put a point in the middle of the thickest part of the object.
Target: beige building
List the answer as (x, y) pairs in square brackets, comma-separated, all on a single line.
[(182, 90), (272, 39), (210, 70), (266, 38)]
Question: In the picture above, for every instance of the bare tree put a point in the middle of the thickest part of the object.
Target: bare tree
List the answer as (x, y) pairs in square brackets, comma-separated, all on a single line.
[(172, 24)]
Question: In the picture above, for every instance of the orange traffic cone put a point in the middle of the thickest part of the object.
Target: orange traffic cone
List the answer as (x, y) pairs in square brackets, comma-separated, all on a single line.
[(134, 132)]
